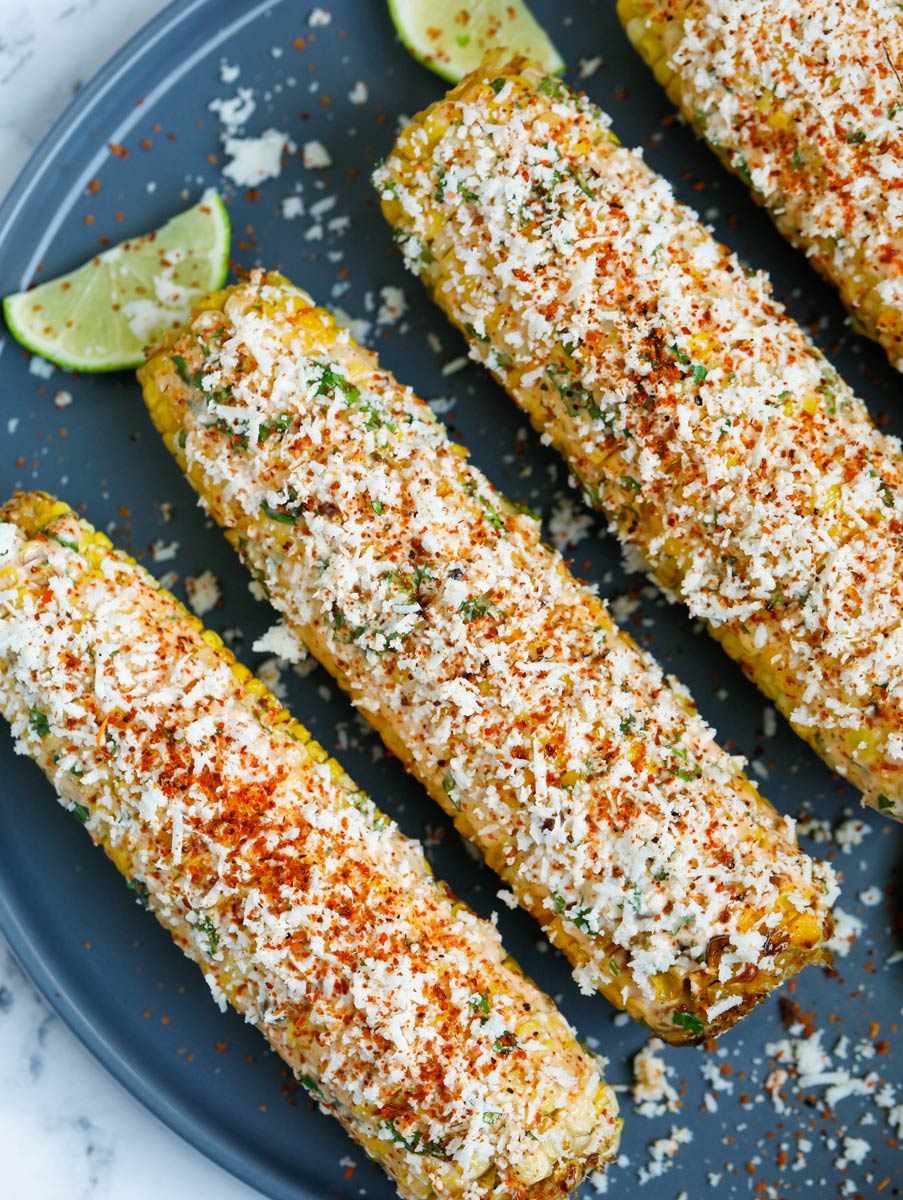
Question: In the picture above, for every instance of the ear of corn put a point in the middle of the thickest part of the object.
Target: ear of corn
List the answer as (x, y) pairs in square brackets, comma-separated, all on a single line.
[(586, 781), (722, 445), (805, 103), (303, 905)]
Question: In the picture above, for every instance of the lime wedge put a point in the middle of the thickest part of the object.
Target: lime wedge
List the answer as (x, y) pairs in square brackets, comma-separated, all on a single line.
[(451, 37), (100, 317)]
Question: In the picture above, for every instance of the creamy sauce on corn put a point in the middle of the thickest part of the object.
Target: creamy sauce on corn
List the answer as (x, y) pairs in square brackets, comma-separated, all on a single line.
[(720, 441), (305, 907), (589, 780), (805, 99)]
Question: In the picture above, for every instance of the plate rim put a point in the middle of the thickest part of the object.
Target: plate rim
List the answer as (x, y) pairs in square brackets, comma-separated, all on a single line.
[(188, 1125)]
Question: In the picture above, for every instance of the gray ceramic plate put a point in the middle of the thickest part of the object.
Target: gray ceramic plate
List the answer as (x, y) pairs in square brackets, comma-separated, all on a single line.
[(104, 964)]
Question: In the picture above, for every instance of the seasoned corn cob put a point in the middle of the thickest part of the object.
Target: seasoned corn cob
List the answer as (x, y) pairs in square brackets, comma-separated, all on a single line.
[(588, 783), (305, 908), (693, 410), (803, 100)]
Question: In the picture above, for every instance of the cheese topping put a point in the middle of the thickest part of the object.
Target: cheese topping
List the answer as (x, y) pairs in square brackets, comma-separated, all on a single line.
[(721, 443), (804, 99), (588, 782), (305, 907)]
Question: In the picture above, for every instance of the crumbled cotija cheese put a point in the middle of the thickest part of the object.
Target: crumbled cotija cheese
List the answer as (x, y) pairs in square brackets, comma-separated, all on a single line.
[(303, 905), (603, 794), (695, 412)]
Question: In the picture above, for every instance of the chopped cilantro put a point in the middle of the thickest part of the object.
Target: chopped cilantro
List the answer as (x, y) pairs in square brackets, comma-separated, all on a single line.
[(688, 1021), (448, 786), (377, 506), (480, 1003), (39, 723), (274, 514), (415, 1144), (885, 804), (63, 542), (497, 85), (139, 887), (332, 381), (741, 166), (474, 607), (551, 86), (471, 332), (505, 1043), (80, 813), (206, 927)]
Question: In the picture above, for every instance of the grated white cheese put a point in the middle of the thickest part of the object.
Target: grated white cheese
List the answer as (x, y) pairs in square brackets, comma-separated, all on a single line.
[(315, 156), (803, 100), (393, 305), (281, 641), (254, 160), (691, 407), (40, 367), (567, 525), (235, 112), (292, 208), (406, 569), (304, 907), (653, 1094), (203, 592)]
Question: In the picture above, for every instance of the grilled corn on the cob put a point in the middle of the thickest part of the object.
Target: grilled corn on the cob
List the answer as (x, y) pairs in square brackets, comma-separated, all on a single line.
[(694, 411), (555, 744), (305, 908), (803, 100)]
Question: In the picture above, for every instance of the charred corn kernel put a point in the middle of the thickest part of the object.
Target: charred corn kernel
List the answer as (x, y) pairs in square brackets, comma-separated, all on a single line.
[(247, 851), (721, 444), (587, 782), (822, 150)]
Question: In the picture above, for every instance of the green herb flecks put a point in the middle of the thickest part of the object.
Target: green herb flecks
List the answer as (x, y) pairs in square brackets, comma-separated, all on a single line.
[(505, 1043), (139, 887), (449, 786), (207, 930), (416, 1143), (480, 1004), (332, 382), (474, 607), (39, 723), (689, 1022)]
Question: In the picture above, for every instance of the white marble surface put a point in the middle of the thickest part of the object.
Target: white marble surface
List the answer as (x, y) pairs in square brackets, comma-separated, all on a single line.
[(68, 1131)]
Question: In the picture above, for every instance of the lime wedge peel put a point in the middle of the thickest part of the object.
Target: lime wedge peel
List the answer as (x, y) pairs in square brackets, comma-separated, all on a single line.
[(101, 316), (451, 36)]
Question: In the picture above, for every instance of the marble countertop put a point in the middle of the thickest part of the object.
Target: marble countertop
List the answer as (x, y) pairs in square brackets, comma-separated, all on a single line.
[(68, 1131)]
